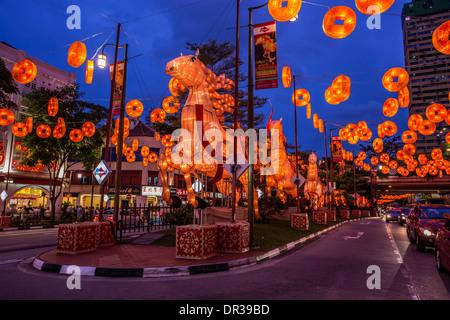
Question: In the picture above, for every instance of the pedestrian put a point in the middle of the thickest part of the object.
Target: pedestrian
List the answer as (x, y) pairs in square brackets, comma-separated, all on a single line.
[(80, 213)]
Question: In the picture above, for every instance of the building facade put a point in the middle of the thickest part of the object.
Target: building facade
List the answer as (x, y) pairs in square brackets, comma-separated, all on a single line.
[(428, 69), (23, 185)]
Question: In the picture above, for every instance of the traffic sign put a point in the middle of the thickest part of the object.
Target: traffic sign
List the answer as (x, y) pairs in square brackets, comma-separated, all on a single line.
[(298, 178), (4, 195), (102, 172)]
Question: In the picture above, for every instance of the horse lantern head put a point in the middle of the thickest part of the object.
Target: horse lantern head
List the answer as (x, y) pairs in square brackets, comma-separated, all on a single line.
[(312, 158), (187, 70)]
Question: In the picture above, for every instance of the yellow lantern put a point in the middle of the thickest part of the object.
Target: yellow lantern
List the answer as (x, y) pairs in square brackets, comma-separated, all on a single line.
[(364, 6), (300, 97), (158, 115), (89, 71)]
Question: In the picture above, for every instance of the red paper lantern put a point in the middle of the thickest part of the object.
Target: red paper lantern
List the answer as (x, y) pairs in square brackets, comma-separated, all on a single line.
[(77, 54), (24, 71), (339, 13), (281, 11)]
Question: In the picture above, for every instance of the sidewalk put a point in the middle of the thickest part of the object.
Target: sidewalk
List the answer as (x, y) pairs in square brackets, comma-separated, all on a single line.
[(141, 259)]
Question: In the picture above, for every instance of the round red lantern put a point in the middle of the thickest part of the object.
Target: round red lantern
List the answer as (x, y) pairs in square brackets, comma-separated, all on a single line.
[(341, 30), (24, 71)]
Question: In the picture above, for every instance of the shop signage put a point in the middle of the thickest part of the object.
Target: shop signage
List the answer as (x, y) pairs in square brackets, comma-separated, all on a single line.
[(151, 191), (134, 190)]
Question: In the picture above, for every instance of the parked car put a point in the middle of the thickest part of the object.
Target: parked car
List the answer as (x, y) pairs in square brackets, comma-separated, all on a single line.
[(424, 222), (442, 248), (392, 215), (402, 215)]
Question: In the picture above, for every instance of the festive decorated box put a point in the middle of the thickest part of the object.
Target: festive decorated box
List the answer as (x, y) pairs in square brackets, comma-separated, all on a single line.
[(356, 213), (77, 237), (331, 215), (195, 241), (106, 233), (233, 237), (366, 213), (320, 217), (344, 213), (5, 221), (300, 221)]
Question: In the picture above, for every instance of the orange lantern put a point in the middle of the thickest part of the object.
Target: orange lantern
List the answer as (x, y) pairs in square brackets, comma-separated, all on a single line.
[(385, 169), (362, 155), (423, 159), (341, 30), (447, 138), (76, 135), (390, 107), (403, 97), (24, 71), (60, 129), (77, 54), (393, 74), (300, 97), (353, 139), (415, 122), (131, 157), (384, 158), (145, 161), (114, 139), (281, 12), (19, 129), (168, 152), (436, 154), (286, 77), (89, 71), (374, 160), (380, 131), (135, 145), (158, 115), (427, 128), (441, 38), (43, 131), (393, 164), (364, 5), (6, 117), (308, 111), (409, 136), (315, 120), (171, 105), (436, 113), (88, 129), (145, 151), (377, 145), (329, 96), (389, 128), (367, 135), (409, 149), (126, 123), (152, 157), (400, 155), (53, 107), (340, 88), (175, 87), (134, 108), (29, 124), (320, 125), (167, 140)]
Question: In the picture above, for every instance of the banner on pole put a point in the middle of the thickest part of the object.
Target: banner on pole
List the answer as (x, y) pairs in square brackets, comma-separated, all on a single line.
[(336, 148), (266, 69), (117, 99)]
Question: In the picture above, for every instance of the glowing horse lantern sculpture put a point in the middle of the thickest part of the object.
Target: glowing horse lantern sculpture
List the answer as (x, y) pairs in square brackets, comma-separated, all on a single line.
[(203, 106), (313, 187), (281, 179)]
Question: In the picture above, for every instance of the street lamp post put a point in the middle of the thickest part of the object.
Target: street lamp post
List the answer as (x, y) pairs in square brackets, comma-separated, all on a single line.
[(102, 64), (296, 149)]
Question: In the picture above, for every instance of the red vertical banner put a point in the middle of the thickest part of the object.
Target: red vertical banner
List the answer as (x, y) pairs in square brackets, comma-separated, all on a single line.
[(336, 147), (118, 90), (266, 70)]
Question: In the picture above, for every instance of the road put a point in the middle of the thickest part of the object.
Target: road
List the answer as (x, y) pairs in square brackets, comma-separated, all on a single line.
[(342, 264)]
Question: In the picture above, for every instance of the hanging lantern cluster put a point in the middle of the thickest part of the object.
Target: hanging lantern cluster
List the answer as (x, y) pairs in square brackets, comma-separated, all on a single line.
[(354, 132), (339, 91)]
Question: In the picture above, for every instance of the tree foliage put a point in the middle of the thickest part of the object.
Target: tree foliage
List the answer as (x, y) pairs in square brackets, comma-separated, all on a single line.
[(7, 87), (58, 155)]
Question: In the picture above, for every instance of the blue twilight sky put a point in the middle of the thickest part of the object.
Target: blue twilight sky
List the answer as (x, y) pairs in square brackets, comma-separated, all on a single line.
[(159, 30)]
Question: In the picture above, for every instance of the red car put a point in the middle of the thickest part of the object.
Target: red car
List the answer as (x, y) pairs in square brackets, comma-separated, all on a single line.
[(442, 248), (424, 222)]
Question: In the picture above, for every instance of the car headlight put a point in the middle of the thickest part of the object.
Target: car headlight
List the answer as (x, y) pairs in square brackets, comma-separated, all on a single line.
[(388, 215), (426, 232)]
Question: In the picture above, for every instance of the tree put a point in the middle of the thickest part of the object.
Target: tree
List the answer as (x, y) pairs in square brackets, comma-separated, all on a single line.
[(7, 87), (390, 146), (58, 155)]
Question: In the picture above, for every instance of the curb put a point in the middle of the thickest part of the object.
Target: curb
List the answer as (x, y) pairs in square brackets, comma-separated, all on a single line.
[(181, 270)]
